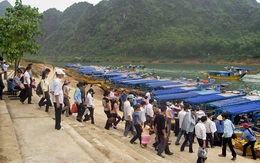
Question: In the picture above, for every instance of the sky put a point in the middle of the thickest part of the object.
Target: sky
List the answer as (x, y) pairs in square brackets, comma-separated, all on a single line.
[(61, 5)]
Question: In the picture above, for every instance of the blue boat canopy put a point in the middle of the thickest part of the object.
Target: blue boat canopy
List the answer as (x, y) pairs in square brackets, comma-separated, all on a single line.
[(210, 98), (228, 102), (174, 90), (241, 109)]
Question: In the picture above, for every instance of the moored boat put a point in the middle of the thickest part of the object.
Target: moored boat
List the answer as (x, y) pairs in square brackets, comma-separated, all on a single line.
[(224, 75)]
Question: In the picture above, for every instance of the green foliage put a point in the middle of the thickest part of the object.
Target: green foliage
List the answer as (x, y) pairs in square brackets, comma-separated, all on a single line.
[(18, 29), (122, 30)]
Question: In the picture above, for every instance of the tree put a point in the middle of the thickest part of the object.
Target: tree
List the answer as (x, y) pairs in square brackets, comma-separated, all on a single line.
[(18, 29)]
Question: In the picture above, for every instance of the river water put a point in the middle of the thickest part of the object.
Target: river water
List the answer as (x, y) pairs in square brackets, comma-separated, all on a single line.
[(192, 71)]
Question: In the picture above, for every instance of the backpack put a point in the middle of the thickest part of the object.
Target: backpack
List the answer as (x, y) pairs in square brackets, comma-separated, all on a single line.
[(39, 89)]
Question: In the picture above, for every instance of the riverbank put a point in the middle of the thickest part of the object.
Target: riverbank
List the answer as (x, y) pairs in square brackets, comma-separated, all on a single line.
[(35, 140)]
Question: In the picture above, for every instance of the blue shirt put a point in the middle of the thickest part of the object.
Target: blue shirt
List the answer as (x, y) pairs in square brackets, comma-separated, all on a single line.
[(77, 96), (247, 135), (228, 129), (123, 97), (220, 126), (136, 116)]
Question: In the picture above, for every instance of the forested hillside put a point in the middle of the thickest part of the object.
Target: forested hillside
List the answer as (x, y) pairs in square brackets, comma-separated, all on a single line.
[(153, 28)]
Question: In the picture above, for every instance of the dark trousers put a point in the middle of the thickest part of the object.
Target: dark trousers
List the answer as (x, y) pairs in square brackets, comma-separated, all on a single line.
[(224, 147), (200, 160), (81, 110), (91, 114), (162, 145), (57, 116), (22, 91), (252, 145), (188, 138), (209, 139), (116, 117), (219, 143), (27, 94), (108, 116), (2, 86), (176, 127), (138, 134), (45, 101)]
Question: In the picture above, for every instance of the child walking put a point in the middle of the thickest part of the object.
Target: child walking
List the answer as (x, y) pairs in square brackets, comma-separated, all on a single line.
[(146, 138)]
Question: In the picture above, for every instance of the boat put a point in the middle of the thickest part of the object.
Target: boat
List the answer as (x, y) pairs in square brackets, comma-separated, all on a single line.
[(224, 75)]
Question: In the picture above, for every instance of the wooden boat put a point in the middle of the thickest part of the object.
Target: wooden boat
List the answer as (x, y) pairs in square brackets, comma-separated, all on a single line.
[(246, 70), (224, 75)]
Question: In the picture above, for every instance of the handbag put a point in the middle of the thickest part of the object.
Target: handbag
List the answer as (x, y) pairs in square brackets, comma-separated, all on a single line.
[(202, 152), (74, 108), (234, 136)]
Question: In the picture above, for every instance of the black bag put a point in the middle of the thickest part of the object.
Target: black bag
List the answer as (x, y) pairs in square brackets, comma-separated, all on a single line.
[(234, 136), (39, 89)]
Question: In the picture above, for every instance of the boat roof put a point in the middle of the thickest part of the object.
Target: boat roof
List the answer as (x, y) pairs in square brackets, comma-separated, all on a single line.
[(241, 108), (140, 81), (238, 68), (216, 71), (174, 90), (173, 86), (184, 95), (233, 101), (162, 83), (212, 97)]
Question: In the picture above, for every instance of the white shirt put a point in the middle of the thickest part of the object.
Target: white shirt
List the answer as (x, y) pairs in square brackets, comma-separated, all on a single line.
[(89, 100), (5, 66), (180, 117), (149, 110), (45, 84), (26, 76), (57, 90), (148, 95), (127, 110), (200, 131), (210, 126), (142, 114)]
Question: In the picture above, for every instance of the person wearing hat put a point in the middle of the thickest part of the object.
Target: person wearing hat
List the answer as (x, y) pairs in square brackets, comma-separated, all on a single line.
[(2, 86), (45, 84), (27, 85), (128, 111), (66, 92), (58, 97), (249, 134), (200, 131), (220, 129)]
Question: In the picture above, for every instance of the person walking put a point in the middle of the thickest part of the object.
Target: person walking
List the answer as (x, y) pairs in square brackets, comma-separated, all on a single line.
[(200, 131), (107, 108), (169, 117), (114, 112), (90, 105), (78, 101), (137, 125), (66, 92), (5, 67), (160, 125), (227, 137), (128, 111), (45, 92), (58, 97), (142, 112), (27, 86), (2, 86), (188, 126), (220, 130), (249, 134), (210, 130), (181, 132)]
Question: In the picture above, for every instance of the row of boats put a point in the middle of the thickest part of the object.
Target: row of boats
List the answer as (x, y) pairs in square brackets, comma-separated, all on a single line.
[(213, 97)]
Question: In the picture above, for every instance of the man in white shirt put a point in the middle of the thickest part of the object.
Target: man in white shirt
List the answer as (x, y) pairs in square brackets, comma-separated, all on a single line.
[(200, 131), (5, 66), (90, 105), (27, 86), (181, 115), (149, 110), (128, 111), (210, 131), (58, 97)]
